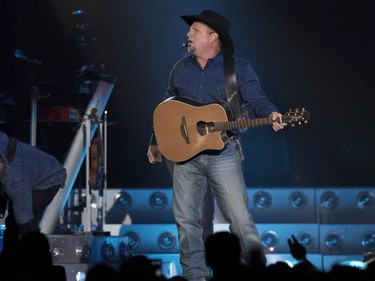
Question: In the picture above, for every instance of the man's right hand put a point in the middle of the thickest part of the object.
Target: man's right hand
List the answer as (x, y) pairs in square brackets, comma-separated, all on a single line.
[(154, 154)]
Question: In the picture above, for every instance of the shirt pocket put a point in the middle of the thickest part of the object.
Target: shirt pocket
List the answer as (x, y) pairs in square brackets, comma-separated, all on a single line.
[(187, 88)]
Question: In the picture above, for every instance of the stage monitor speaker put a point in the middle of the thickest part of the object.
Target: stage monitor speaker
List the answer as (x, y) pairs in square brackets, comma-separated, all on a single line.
[(275, 236), (151, 238), (139, 206), (349, 239), (89, 248), (345, 205), (169, 267), (282, 205)]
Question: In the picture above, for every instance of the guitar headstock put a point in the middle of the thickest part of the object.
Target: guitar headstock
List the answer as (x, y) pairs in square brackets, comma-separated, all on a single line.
[(296, 117)]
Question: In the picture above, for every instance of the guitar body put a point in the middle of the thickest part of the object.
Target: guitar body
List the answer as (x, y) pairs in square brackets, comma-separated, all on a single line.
[(184, 128), (176, 125)]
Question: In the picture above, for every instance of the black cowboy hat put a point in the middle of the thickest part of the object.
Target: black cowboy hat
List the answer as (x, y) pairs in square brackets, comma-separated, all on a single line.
[(218, 23)]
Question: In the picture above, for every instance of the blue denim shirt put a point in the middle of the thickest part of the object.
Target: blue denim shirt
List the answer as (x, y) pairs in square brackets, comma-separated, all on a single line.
[(188, 79), (30, 169)]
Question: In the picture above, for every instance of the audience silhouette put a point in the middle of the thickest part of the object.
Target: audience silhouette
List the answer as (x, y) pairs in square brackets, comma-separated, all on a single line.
[(139, 267), (33, 262), (279, 270), (370, 268), (102, 272), (303, 267), (223, 256)]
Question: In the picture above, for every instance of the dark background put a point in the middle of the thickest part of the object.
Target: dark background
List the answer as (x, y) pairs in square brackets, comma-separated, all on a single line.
[(319, 55)]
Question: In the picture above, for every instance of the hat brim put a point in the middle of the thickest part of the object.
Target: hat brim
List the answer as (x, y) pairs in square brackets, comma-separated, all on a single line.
[(225, 38)]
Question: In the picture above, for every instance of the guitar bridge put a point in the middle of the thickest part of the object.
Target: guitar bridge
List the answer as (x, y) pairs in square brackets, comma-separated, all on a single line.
[(184, 131)]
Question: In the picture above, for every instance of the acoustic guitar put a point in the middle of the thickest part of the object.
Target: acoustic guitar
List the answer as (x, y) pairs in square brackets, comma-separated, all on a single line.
[(184, 127)]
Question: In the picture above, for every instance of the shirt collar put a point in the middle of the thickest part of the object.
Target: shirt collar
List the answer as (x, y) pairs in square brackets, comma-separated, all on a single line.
[(215, 60)]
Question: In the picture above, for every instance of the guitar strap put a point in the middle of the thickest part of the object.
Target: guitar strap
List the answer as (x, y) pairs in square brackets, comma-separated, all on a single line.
[(233, 97)]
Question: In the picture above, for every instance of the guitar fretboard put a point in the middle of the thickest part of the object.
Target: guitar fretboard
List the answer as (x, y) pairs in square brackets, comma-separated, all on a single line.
[(240, 124)]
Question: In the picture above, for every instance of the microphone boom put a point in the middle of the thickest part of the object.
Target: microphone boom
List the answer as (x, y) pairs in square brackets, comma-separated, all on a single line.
[(21, 55)]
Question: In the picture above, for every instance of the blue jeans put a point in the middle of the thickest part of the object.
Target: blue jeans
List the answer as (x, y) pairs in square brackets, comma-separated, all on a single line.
[(220, 173)]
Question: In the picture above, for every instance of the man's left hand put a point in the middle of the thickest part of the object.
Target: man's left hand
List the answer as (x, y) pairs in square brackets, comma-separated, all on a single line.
[(277, 124)]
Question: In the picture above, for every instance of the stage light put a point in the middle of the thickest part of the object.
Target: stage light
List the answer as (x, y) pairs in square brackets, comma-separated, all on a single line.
[(132, 239), (108, 251), (270, 240), (158, 200), (123, 200), (80, 276), (334, 241), (94, 202), (262, 200), (368, 241), (83, 252), (125, 250), (298, 200), (167, 241), (87, 78), (80, 21), (81, 200), (306, 239), (365, 199), (56, 251), (329, 200), (2, 229), (81, 25)]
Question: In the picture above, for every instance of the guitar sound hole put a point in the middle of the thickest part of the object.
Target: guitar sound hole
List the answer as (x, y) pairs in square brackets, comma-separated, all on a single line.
[(205, 128)]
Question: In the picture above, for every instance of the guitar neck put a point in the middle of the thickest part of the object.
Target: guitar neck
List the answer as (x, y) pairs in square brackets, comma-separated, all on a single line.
[(240, 124)]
